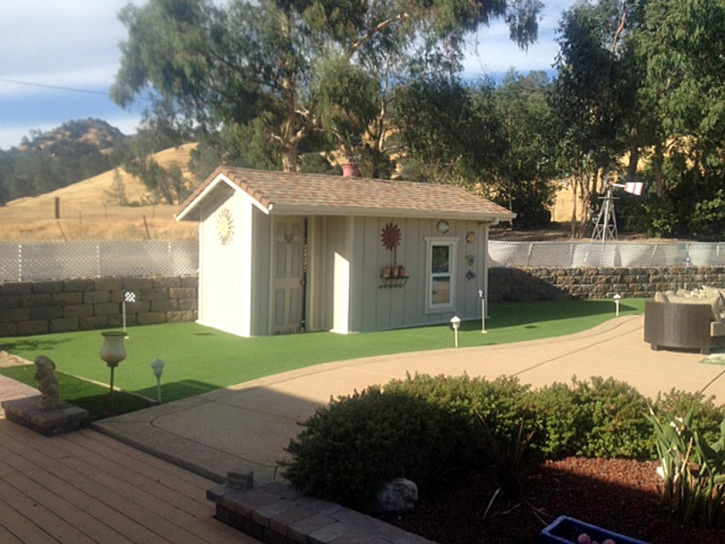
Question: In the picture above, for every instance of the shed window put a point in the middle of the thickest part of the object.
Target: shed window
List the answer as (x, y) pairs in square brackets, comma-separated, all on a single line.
[(440, 277)]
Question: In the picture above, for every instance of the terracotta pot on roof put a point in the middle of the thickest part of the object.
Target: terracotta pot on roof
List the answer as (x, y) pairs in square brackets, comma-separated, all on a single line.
[(350, 170)]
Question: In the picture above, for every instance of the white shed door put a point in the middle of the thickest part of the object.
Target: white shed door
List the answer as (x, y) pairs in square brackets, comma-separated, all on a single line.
[(287, 275)]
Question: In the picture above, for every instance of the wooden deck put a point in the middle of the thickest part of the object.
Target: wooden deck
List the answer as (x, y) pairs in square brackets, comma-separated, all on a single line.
[(85, 487)]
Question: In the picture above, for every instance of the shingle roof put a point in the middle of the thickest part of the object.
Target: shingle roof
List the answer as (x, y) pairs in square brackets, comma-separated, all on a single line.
[(316, 194)]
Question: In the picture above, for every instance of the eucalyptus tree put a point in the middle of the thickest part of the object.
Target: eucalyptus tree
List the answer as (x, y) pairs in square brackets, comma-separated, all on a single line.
[(447, 132), (596, 100), (285, 69), (527, 168), (684, 87)]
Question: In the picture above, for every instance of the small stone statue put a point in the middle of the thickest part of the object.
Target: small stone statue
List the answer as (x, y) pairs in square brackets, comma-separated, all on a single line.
[(47, 383)]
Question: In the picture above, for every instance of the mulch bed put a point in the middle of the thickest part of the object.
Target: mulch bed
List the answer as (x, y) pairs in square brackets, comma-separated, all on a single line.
[(617, 494)]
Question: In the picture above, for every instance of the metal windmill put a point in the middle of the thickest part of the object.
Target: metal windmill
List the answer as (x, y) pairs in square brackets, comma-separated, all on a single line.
[(605, 227)]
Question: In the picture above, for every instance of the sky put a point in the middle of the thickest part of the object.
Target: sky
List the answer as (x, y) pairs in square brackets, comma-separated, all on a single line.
[(58, 60)]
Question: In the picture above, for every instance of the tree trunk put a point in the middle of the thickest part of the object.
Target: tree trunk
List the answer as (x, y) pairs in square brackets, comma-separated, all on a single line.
[(658, 160)]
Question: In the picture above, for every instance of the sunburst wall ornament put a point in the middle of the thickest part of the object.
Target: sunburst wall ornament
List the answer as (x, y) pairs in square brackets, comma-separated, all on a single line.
[(391, 236), (225, 226)]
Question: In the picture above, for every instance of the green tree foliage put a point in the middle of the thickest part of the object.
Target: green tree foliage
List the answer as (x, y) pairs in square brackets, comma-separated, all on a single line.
[(528, 165), (595, 97), (646, 78), (495, 139), (448, 131), (264, 65)]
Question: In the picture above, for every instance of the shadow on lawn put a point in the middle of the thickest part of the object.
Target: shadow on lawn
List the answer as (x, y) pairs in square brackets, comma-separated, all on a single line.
[(34, 343)]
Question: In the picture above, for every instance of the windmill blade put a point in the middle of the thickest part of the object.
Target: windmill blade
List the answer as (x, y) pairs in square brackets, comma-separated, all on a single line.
[(634, 187)]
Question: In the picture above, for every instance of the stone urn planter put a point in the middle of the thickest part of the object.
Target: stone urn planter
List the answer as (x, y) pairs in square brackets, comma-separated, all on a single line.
[(566, 530)]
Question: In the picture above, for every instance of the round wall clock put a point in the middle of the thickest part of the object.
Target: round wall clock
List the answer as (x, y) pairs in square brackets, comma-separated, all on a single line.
[(225, 226), (443, 227)]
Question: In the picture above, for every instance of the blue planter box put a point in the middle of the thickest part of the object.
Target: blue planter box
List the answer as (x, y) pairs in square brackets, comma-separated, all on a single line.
[(566, 530)]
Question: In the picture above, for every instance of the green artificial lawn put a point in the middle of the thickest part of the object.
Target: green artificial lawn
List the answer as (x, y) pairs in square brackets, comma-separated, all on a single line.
[(200, 359)]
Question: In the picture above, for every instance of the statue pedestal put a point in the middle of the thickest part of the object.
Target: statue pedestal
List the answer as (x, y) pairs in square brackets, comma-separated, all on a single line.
[(26, 411)]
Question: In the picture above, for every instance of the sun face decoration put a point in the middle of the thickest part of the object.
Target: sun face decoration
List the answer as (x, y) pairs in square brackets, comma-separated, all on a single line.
[(391, 236), (225, 226)]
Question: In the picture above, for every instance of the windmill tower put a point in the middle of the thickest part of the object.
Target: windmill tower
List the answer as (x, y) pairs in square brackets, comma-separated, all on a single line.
[(605, 227)]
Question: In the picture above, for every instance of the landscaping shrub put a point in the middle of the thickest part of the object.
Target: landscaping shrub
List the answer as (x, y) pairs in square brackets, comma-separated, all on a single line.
[(618, 421), (419, 427), (706, 416), (350, 448), (563, 420)]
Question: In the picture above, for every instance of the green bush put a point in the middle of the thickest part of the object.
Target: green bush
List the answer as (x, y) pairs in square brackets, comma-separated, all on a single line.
[(350, 448), (419, 427), (562, 419), (618, 421), (707, 417)]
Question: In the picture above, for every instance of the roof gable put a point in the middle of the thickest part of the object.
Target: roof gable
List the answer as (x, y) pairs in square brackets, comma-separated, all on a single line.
[(316, 194)]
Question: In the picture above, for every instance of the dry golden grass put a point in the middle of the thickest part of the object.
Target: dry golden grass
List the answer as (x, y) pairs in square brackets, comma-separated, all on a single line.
[(87, 214)]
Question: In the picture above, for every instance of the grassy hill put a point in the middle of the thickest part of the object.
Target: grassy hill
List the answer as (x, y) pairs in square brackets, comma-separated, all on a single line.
[(86, 212)]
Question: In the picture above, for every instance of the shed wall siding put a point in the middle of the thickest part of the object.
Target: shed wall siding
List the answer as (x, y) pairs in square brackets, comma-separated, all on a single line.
[(225, 270), (374, 305)]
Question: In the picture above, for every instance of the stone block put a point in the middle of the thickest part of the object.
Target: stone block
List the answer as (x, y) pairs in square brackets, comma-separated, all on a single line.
[(96, 297), (161, 293), (81, 285), (190, 281), (16, 288), (167, 282), (67, 298), (9, 301), (46, 312), (47, 287), (164, 305), (108, 284), (27, 412), (188, 304), (26, 328), (151, 318), (107, 308), (14, 315), (180, 317), (93, 322), (137, 284), (8, 329), (78, 310), (32, 300), (138, 307), (64, 324), (178, 293)]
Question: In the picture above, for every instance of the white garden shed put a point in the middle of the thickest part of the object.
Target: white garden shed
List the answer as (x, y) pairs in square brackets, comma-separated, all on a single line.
[(288, 252)]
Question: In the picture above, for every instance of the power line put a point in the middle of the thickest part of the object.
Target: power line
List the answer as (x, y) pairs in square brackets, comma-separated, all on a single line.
[(45, 86)]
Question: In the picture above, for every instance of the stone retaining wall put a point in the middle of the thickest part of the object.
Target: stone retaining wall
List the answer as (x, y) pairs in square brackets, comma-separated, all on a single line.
[(519, 284), (71, 305)]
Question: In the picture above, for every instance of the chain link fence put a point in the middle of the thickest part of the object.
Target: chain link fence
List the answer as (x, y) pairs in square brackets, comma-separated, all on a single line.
[(37, 261), (605, 254)]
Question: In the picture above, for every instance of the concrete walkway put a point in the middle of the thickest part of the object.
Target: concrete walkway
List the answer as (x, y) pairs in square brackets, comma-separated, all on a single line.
[(247, 427)]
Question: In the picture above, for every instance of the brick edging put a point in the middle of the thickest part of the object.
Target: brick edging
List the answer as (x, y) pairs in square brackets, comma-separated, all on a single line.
[(276, 513)]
